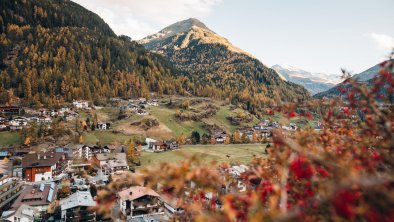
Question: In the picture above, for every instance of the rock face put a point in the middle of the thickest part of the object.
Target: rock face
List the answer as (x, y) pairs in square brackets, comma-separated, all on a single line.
[(212, 61)]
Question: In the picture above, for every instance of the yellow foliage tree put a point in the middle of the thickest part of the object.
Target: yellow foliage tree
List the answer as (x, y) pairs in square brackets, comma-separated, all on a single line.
[(27, 141), (84, 125), (255, 137), (181, 139), (131, 154), (237, 136), (80, 140)]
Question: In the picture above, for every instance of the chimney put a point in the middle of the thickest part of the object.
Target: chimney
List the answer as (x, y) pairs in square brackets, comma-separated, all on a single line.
[(38, 156)]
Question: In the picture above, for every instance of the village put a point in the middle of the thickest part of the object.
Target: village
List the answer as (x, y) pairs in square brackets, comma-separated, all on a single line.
[(53, 183)]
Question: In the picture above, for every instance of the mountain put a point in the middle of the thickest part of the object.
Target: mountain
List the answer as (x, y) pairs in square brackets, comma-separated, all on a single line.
[(50, 14), (215, 65), (367, 74), (56, 50), (365, 77), (313, 82)]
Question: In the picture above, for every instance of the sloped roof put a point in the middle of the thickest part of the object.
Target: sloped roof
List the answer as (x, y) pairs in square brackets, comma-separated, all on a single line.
[(136, 192), (80, 198), (41, 159), (35, 196), (110, 156), (22, 211)]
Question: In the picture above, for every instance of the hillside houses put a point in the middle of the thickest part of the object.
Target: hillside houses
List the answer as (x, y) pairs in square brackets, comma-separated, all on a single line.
[(42, 116), (77, 207), (219, 136), (10, 110), (10, 187), (81, 104), (138, 201), (103, 126), (38, 196), (18, 123), (43, 166), (160, 146), (112, 162)]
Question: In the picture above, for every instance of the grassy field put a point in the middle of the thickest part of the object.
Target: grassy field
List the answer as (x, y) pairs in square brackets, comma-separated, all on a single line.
[(239, 153), (105, 137), (9, 138), (169, 127), (166, 117), (221, 120)]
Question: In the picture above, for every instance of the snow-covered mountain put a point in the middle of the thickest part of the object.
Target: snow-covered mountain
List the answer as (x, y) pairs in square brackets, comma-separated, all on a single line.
[(313, 82)]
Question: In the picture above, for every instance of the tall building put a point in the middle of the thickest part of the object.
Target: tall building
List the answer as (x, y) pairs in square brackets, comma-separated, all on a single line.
[(10, 188), (43, 166)]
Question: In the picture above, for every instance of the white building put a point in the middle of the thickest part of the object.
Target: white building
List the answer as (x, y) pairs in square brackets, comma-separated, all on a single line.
[(138, 201), (148, 141), (103, 126), (77, 207), (81, 104), (172, 204), (19, 121), (112, 162), (24, 213)]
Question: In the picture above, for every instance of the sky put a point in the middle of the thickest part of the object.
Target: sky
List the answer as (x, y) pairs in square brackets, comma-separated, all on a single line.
[(315, 35)]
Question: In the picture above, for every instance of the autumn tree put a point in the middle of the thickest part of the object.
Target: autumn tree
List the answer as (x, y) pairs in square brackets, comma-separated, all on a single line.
[(181, 139), (237, 137), (131, 152)]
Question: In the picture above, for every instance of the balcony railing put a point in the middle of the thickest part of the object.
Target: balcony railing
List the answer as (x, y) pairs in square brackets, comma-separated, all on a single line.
[(8, 183), (9, 199)]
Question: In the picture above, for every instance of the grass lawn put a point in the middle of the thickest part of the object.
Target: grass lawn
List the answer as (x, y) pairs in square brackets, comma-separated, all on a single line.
[(166, 117), (239, 153), (105, 137), (9, 138), (221, 120)]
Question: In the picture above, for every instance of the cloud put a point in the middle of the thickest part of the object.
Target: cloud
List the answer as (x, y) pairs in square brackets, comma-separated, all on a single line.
[(139, 18), (383, 41)]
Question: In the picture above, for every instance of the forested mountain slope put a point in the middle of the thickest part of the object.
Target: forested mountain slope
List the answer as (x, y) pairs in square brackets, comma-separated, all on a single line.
[(217, 67), (54, 51)]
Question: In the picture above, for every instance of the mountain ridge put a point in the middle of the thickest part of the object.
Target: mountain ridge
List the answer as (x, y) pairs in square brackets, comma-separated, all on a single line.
[(365, 77), (210, 60), (196, 30)]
